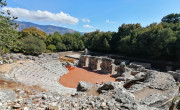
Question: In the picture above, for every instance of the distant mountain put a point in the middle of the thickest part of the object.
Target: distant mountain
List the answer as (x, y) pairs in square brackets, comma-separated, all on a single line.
[(46, 28)]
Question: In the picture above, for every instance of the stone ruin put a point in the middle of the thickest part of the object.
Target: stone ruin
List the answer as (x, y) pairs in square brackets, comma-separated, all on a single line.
[(84, 61), (105, 65), (94, 63), (136, 86), (108, 66)]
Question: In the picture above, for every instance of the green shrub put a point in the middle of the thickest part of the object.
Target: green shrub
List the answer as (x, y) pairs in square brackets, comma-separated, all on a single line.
[(51, 47), (61, 47), (33, 46)]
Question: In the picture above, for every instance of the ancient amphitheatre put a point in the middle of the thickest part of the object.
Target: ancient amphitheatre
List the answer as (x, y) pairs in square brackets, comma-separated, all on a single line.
[(51, 81)]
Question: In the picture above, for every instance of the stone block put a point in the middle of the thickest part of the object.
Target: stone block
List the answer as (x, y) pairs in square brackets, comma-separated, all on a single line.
[(95, 62), (84, 60), (107, 65), (92, 63)]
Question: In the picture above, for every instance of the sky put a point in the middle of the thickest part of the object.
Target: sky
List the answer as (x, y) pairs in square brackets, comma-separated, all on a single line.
[(90, 15)]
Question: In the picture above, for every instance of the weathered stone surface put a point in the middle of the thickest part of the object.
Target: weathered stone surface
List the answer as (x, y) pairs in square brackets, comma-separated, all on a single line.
[(137, 67), (127, 72), (120, 79), (40, 56), (154, 100), (107, 66), (7, 95), (92, 63), (29, 57), (121, 68), (146, 65), (86, 52), (110, 86), (84, 86), (162, 86), (84, 60), (140, 75), (55, 55), (1, 62), (175, 74), (126, 98)]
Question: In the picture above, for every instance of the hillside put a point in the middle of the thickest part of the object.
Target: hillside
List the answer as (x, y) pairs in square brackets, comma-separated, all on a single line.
[(46, 28)]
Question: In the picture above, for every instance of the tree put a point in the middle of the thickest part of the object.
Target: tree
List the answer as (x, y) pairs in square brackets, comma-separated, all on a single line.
[(106, 46), (34, 32), (51, 47), (171, 18), (8, 35), (81, 45), (2, 3), (61, 47), (32, 45)]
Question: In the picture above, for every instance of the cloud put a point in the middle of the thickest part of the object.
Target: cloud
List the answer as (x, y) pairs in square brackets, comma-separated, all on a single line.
[(86, 20), (87, 26), (42, 15), (108, 21)]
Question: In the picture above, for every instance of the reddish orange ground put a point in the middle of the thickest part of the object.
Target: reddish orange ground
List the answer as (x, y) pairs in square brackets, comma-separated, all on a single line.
[(72, 78)]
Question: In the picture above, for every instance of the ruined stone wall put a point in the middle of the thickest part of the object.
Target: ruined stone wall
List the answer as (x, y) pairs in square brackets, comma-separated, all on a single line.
[(84, 61), (108, 66), (94, 63)]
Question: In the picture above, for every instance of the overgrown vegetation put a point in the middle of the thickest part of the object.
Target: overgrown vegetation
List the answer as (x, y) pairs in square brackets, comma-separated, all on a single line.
[(32, 46), (157, 41)]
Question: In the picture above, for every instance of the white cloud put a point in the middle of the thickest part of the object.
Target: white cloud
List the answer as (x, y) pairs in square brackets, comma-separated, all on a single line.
[(87, 26), (42, 15), (108, 21), (86, 20)]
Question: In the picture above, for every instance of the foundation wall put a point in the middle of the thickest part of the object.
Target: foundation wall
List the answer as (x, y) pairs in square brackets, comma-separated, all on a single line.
[(84, 61), (107, 66)]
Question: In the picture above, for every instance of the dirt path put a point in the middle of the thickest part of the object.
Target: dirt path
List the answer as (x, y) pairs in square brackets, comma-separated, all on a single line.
[(79, 74)]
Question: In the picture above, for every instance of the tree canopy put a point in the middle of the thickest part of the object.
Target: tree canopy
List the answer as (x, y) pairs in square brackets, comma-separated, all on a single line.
[(171, 18), (157, 40), (8, 35), (32, 31)]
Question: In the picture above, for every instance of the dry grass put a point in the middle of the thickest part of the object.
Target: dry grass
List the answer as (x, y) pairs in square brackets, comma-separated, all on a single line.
[(67, 59)]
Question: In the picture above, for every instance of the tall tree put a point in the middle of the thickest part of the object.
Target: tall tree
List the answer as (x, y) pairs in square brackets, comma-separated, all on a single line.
[(8, 35), (34, 32), (171, 18)]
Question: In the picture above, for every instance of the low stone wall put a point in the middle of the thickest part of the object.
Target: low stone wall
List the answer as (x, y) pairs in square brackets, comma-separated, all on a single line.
[(107, 65), (95, 62), (92, 63)]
